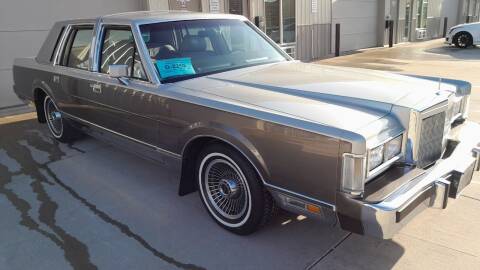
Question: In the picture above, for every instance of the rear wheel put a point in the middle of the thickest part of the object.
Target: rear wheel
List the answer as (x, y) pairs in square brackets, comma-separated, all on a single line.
[(57, 124), (232, 191), (463, 40)]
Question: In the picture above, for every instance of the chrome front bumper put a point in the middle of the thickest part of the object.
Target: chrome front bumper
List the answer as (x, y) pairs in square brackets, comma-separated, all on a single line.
[(430, 189)]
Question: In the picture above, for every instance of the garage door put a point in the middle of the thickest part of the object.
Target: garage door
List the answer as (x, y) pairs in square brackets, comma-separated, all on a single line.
[(358, 23), (24, 25)]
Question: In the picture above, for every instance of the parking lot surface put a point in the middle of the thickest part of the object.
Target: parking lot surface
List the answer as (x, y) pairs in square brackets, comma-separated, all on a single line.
[(89, 205)]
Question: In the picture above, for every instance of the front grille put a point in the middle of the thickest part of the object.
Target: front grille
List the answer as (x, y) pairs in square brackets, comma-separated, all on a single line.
[(431, 137)]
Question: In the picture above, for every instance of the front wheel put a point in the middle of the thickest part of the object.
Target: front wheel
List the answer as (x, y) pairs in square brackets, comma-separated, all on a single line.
[(232, 191), (463, 40)]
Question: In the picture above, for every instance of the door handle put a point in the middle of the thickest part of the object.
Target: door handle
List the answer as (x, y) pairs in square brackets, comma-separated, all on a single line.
[(56, 79), (96, 88)]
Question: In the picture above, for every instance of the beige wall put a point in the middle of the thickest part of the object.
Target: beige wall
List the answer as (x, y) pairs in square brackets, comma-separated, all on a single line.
[(25, 23), (359, 21)]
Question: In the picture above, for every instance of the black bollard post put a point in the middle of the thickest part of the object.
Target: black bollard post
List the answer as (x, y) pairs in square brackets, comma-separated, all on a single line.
[(337, 39), (390, 33), (445, 26)]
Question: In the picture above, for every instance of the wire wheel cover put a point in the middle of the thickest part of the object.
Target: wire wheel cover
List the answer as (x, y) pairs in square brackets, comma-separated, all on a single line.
[(226, 189), (54, 117)]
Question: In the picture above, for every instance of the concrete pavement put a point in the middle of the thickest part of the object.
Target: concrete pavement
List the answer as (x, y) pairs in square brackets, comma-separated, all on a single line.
[(89, 205)]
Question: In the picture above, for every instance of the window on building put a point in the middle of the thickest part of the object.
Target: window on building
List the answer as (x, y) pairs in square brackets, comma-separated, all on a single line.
[(422, 13), (280, 20), (190, 5), (406, 29), (235, 7), (272, 19), (77, 51), (288, 18), (118, 48)]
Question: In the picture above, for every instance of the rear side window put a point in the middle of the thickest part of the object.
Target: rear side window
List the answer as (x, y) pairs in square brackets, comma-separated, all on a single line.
[(77, 50), (118, 48)]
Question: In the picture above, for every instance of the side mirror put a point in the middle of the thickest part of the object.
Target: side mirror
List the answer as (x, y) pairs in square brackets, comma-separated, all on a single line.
[(118, 71)]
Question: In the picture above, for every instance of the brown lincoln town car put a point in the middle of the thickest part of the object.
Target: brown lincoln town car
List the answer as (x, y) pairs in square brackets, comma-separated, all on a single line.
[(250, 128)]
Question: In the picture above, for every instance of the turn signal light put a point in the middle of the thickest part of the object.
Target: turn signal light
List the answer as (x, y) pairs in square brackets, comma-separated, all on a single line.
[(313, 208)]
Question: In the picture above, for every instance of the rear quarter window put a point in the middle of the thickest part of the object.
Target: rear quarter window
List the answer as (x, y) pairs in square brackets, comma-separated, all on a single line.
[(76, 53)]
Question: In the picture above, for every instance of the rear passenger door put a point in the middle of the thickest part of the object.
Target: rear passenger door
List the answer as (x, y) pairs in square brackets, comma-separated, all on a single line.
[(72, 72)]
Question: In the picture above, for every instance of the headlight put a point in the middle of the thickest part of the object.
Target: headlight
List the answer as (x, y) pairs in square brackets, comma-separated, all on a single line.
[(375, 157), (385, 152), (393, 148)]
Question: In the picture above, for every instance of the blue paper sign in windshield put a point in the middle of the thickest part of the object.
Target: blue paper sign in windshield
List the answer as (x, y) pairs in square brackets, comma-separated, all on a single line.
[(175, 67)]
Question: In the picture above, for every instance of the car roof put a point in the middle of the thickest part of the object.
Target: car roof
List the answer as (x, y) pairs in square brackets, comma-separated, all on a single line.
[(142, 17)]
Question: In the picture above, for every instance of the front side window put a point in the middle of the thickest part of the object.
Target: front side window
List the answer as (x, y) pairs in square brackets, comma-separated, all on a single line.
[(118, 48), (185, 49), (77, 52)]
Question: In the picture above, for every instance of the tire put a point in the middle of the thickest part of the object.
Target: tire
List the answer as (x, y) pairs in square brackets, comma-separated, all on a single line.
[(463, 40), (232, 191), (59, 127)]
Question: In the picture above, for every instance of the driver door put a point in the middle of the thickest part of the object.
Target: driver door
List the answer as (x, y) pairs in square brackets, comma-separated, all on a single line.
[(131, 105)]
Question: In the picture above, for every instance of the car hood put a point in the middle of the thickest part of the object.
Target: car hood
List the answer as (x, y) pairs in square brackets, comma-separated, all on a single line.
[(466, 24), (336, 96)]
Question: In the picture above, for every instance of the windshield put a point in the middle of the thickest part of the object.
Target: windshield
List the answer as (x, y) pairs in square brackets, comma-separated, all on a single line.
[(186, 49)]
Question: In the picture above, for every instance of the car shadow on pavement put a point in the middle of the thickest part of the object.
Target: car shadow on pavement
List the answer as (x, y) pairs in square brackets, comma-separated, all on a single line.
[(90, 205), (363, 253), (471, 53)]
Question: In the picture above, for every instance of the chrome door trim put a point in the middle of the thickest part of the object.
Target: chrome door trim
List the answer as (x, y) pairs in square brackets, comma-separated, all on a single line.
[(158, 149)]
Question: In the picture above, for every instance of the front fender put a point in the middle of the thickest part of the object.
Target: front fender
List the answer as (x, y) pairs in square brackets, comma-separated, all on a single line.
[(201, 132), (228, 135)]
